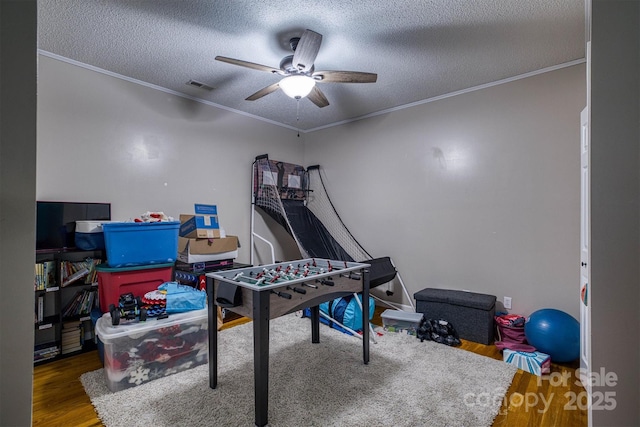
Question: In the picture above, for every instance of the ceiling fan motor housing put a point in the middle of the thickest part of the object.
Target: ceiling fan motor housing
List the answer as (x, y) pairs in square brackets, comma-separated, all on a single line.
[(293, 42), (287, 66)]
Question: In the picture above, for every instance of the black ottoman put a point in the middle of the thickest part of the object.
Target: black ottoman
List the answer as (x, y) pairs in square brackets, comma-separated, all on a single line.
[(470, 314)]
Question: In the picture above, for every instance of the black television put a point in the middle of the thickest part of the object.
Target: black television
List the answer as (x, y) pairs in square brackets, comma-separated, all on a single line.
[(56, 222)]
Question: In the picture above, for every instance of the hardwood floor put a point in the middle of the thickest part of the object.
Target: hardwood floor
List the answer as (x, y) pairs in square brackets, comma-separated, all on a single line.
[(59, 398)]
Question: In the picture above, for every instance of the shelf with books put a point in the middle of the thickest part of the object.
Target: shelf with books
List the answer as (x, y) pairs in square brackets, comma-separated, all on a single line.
[(73, 272), (45, 275), (81, 304), (46, 352), (66, 289)]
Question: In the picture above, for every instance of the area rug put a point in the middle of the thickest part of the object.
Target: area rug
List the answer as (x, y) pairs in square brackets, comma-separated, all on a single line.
[(406, 383)]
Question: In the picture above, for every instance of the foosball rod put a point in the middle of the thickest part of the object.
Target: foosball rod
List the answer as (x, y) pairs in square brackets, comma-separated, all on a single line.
[(328, 269), (241, 278), (313, 270), (264, 280)]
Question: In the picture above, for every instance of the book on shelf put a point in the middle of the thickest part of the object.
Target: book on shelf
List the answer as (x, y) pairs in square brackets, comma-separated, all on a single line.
[(73, 271), (71, 349), (71, 336), (40, 308), (71, 339), (81, 304), (70, 325), (45, 275), (45, 351), (92, 277), (76, 275)]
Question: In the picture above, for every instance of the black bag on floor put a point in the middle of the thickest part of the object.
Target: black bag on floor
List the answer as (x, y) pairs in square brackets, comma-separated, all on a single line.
[(439, 331)]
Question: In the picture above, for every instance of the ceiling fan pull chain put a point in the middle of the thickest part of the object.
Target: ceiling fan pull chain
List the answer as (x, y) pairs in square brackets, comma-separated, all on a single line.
[(298, 115)]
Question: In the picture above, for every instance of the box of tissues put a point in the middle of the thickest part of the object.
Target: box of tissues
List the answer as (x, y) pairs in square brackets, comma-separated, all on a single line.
[(535, 362)]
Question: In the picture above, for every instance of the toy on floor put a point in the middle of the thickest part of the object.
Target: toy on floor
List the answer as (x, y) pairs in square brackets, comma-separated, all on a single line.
[(555, 333)]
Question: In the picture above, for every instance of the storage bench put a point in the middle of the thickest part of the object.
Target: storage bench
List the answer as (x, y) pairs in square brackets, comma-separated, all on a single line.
[(471, 314)]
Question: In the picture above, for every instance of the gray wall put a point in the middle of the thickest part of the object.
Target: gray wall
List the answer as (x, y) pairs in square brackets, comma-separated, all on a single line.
[(477, 191), (17, 207), (615, 200), (104, 139), (480, 191)]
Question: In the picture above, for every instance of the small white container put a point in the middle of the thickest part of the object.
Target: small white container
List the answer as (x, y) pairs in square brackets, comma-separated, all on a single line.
[(89, 235)]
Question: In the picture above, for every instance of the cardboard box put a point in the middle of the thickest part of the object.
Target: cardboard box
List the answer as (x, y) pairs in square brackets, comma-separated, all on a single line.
[(535, 362), (199, 226), (202, 250), (205, 209)]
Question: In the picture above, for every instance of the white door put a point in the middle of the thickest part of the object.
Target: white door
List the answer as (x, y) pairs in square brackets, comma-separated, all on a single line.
[(585, 291)]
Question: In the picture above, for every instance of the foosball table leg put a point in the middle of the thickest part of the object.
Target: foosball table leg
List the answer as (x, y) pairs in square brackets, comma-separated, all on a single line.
[(315, 324)]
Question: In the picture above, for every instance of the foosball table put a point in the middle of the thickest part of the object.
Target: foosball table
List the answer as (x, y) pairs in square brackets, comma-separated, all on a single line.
[(270, 291)]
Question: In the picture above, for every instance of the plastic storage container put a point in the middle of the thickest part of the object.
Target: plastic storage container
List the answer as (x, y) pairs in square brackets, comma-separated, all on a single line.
[(138, 352), (89, 235), (96, 314), (401, 321), (139, 243), (113, 282)]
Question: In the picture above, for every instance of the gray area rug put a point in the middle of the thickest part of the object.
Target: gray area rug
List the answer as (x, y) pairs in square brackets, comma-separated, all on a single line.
[(406, 383)]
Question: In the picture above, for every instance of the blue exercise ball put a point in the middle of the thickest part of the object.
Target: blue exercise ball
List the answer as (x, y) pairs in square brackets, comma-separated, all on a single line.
[(555, 333)]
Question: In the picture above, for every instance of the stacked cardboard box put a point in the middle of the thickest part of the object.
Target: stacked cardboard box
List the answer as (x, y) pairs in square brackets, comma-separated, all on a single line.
[(192, 251), (203, 246), (203, 225), (202, 239)]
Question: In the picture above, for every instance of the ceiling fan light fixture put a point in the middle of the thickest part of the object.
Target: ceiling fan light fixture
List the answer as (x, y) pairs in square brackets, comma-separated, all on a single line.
[(297, 87)]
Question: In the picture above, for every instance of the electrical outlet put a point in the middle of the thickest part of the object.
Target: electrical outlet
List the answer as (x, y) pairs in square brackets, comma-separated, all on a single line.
[(507, 302)]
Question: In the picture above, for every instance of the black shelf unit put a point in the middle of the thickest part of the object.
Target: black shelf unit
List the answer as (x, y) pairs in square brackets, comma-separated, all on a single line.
[(49, 322)]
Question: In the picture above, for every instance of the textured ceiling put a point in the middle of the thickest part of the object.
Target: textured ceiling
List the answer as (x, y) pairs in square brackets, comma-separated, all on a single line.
[(419, 49)]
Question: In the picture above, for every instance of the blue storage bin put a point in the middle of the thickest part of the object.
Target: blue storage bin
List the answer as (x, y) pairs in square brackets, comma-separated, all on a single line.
[(89, 235), (129, 244), (96, 313)]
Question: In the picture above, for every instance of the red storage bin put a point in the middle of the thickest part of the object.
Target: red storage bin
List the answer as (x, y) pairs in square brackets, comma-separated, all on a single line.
[(113, 282)]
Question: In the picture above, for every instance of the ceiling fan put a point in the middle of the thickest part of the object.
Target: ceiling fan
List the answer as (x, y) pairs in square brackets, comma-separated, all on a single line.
[(298, 72)]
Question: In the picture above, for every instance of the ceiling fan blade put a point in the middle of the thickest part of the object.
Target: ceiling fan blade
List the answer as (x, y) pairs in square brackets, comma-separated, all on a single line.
[(317, 97), (248, 64), (344, 77), (307, 50), (263, 92)]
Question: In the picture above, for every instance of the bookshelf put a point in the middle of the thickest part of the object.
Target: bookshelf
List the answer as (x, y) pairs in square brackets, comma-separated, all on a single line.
[(66, 290)]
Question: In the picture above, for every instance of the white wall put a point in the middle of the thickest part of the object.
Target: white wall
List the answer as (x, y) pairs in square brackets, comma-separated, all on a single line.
[(479, 191), (104, 139)]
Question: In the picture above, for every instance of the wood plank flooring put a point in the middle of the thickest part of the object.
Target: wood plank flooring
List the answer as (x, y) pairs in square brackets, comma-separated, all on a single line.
[(59, 398)]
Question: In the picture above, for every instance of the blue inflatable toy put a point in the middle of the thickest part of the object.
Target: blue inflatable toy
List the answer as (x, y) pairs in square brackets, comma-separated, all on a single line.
[(555, 333)]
